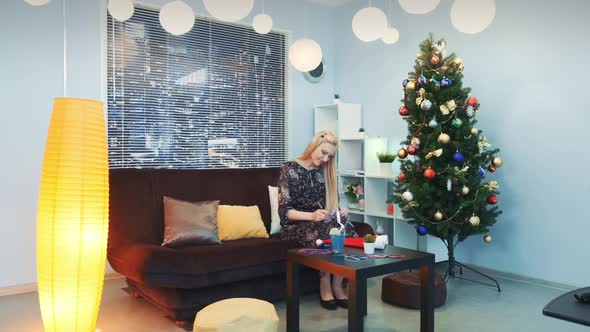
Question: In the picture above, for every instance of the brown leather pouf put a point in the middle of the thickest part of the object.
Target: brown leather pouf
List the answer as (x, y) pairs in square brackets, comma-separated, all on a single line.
[(403, 289)]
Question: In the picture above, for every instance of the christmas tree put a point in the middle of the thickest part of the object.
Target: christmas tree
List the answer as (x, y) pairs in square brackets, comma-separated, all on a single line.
[(441, 187)]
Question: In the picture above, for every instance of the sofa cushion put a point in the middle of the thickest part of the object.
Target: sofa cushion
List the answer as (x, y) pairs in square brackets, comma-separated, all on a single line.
[(240, 222), (198, 266), (189, 223)]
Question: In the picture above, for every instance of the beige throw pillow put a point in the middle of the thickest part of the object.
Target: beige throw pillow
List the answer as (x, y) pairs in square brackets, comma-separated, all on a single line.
[(187, 223), (240, 222)]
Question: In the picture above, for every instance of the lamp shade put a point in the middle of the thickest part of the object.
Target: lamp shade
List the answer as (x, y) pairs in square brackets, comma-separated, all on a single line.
[(369, 24), (262, 23), (177, 17), (121, 10), (37, 2), (472, 16), (305, 54), (391, 36), (418, 6), (229, 10), (72, 216)]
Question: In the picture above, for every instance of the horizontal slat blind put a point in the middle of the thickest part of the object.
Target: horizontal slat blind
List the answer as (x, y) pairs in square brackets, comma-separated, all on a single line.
[(214, 97)]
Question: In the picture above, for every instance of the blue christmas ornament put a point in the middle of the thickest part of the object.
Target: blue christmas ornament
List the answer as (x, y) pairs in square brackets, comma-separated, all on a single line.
[(405, 82), (446, 82), (422, 230), (459, 158), (480, 171), (422, 80)]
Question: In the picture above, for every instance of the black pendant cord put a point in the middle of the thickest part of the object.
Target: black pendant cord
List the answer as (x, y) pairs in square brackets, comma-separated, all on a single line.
[(453, 265)]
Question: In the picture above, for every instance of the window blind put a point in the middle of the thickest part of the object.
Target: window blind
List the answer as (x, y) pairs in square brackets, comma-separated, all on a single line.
[(214, 97)]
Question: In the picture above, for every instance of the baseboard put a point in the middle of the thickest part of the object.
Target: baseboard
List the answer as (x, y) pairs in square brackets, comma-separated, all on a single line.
[(32, 287)]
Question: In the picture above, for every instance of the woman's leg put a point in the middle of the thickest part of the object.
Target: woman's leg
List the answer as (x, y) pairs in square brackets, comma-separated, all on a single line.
[(326, 287), (339, 292)]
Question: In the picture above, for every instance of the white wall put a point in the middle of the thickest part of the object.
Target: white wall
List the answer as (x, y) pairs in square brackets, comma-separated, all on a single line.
[(529, 72), (32, 62)]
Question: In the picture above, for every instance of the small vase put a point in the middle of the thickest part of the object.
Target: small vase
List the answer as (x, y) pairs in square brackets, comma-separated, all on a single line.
[(369, 248), (385, 169), (361, 204), (353, 206)]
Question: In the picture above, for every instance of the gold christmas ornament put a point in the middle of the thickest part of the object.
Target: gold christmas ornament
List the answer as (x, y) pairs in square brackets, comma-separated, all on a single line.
[(458, 61), (419, 55), (402, 153), (444, 138), (437, 216), (465, 190), (411, 86), (497, 162), (474, 131), (487, 238), (474, 220)]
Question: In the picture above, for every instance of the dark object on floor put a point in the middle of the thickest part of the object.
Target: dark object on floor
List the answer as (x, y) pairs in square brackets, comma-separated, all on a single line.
[(403, 289), (328, 304), (583, 297), (342, 303), (568, 307)]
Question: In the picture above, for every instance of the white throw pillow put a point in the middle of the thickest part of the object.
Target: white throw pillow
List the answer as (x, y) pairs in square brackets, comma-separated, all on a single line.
[(275, 220)]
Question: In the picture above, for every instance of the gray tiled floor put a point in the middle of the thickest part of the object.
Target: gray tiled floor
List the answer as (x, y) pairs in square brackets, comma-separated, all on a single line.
[(469, 307)]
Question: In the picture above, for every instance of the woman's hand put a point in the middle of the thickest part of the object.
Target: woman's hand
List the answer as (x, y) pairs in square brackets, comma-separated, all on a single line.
[(344, 213), (318, 215)]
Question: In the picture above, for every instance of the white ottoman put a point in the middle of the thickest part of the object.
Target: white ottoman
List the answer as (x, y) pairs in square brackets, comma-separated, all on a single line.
[(237, 314)]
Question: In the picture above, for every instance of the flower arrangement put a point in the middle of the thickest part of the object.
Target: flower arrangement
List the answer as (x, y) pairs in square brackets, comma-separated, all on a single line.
[(386, 157), (353, 191), (369, 238)]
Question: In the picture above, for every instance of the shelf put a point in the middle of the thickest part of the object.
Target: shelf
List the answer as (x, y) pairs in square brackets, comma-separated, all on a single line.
[(351, 139), (383, 215), (354, 211), (377, 176), (351, 176)]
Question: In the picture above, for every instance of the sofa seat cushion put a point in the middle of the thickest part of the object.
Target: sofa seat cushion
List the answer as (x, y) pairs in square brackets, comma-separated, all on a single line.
[(198, 266)]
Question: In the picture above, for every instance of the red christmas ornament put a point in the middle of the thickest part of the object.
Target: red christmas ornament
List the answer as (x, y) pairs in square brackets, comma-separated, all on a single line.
[(434, 60), (429, 173), (492, 199), (401, 176), (404, 111), (472, 101), (492, 168), (411, 150)]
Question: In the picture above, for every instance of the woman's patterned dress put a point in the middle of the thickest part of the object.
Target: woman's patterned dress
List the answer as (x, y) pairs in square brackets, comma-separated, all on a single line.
[(304, 190)]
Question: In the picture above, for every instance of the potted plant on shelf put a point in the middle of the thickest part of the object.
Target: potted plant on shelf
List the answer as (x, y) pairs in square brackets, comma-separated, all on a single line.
[(361, 133), (369, 244), (355, 195), (385, 160)]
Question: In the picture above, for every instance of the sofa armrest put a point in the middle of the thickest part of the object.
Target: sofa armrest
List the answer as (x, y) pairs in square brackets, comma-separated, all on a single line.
[(362, 228)]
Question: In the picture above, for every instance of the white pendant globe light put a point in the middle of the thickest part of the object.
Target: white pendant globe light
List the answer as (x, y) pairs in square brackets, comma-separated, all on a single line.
[(262, 23), (229, 10), (305, 54), (121, 10), (177, 17), (369, 24), (473, 16), (37, 2), (418, 6), (390, 36)]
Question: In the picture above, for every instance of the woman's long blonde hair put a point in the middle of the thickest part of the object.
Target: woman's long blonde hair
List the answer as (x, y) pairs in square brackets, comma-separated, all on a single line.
[(325, 136)]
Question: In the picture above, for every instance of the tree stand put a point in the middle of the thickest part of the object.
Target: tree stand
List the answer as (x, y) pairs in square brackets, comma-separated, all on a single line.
[(453, 265)]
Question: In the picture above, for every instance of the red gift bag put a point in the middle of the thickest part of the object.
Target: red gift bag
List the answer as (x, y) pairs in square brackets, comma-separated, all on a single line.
[(349, 242)]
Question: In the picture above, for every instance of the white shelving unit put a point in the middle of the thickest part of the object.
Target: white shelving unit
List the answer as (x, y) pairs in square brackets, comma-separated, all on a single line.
[(356, 153)]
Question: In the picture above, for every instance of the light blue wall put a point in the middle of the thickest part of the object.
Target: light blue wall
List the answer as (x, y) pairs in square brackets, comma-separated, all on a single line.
[(32, 63), (529, 71)]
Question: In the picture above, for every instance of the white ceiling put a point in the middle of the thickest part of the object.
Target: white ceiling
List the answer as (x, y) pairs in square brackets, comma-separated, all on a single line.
[(330, 3)]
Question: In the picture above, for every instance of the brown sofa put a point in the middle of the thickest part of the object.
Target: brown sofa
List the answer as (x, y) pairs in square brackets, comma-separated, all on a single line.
[(181, 281)]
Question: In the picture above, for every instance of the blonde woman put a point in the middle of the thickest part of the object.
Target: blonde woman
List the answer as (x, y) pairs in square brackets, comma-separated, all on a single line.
[(308, 193)]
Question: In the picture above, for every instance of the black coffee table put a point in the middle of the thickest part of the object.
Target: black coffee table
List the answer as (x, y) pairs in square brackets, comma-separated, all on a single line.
[(566, 307), (357, 273)]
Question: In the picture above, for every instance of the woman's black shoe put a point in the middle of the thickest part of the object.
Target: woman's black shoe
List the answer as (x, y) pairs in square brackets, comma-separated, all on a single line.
[(329, 304), (342, 303)]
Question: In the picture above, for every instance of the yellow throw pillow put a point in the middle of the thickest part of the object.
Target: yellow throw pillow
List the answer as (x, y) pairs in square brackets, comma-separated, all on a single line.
[(240, 222)]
